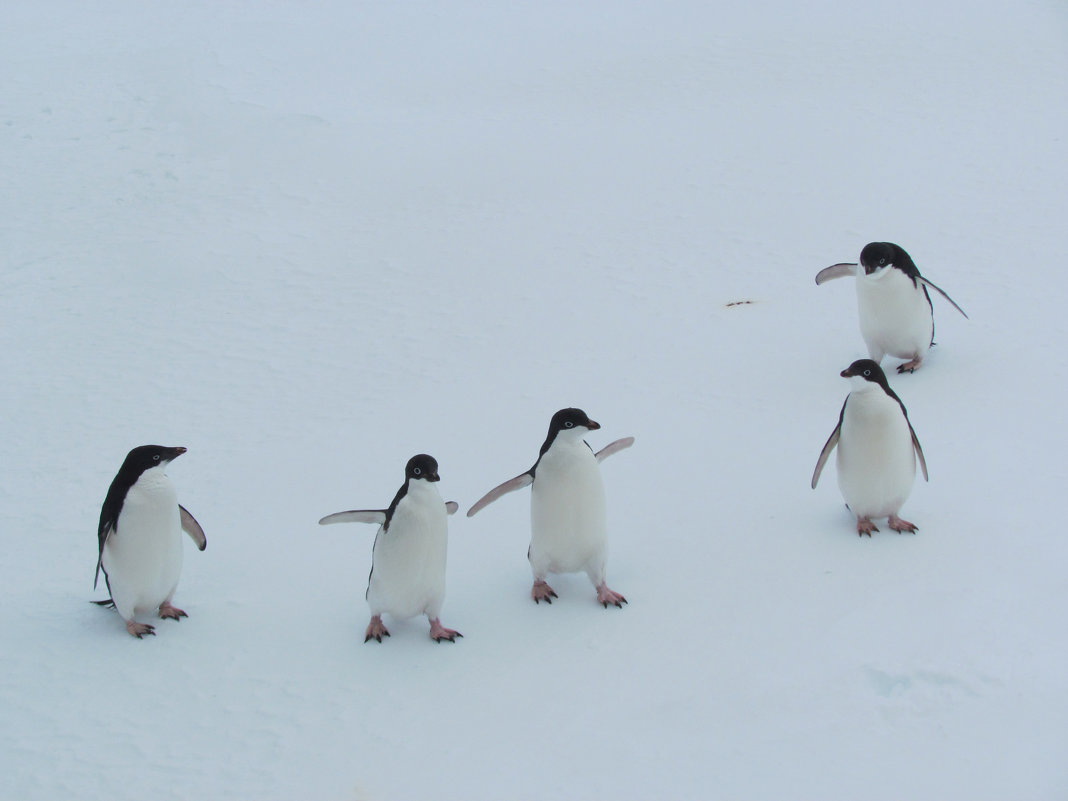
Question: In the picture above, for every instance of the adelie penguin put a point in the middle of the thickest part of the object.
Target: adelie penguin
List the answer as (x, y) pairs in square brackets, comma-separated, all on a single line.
[(140, 538), (408, 559), (896, 315), (877, 450), (568, 530)]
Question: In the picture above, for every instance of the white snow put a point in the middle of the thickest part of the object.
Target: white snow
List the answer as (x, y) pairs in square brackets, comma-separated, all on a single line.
[(308, 241)]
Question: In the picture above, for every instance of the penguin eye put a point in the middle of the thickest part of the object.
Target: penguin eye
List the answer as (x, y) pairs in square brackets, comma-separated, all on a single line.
[(867, 372), (417, 470), (882, 261), (155, 458), (568, 424)]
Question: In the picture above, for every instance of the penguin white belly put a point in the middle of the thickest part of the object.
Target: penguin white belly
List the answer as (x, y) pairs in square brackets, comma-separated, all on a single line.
[(408, 571), (876, 461), (895, 315), (143, 555), (567, 511)]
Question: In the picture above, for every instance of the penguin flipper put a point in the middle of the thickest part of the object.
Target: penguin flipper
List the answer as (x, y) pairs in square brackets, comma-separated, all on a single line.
[(376, 516), (191, 527), (828, 446), (836, 271), (452, 507), (919, 452), (942, 292), (511, 485), (102, 535), (615, 447)]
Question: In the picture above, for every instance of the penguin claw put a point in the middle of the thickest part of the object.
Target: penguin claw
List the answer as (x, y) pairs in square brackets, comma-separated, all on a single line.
[(865, 527), (541, 591), (606, 596), (376, 630), (909, 366), (168, 612), (139, 630), (438, 632), (902, 526)]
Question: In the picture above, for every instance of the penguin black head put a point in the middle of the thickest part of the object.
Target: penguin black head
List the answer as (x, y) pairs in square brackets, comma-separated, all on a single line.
[(568, 419), (146, 457), (869, 370), (877, 255), (422, 466)]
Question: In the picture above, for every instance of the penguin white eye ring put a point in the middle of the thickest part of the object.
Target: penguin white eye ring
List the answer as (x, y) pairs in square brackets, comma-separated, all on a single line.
[(568, 529), (894, 306)]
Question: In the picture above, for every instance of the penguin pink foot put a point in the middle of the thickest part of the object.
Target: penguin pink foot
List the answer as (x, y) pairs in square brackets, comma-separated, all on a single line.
[(910, 366), (899, 525), (606, 596), (168, 612), (865, 526), (139, 630), (376, 630), (438, 632), (541, 591)]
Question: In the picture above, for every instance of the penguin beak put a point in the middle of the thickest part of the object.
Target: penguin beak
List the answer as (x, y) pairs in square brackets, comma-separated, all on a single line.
[(175, 453), (846, 373), (593, 425)]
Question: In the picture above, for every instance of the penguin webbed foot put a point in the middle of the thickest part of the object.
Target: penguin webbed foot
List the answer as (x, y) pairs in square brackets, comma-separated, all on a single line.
[(438, 632), (902, 526), (376, 630), (865, 526), (168, 612), (909, 367), (605, 596), (541, 591), (139, 630)]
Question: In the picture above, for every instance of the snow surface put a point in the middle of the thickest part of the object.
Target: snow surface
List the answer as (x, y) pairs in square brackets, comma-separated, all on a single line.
[(307, 241)]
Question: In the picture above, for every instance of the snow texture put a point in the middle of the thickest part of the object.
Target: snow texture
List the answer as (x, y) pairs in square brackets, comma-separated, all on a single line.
[(308, 241)]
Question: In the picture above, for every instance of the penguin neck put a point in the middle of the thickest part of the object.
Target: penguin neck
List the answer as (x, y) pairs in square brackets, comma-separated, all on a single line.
[(861, 386), (878, 274), (152, 478), (420, 489), (570, 437), (152, 486)]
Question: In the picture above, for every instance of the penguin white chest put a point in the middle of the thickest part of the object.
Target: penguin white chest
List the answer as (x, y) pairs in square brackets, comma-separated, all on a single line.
[(408, 569), (876, 460), (567, 508), (895, 315), (143, 555)]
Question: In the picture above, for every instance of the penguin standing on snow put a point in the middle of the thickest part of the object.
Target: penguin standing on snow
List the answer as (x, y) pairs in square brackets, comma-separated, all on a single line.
[(408, 559), (877, 450), (140, 538), (568, 530), (896, 315)]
